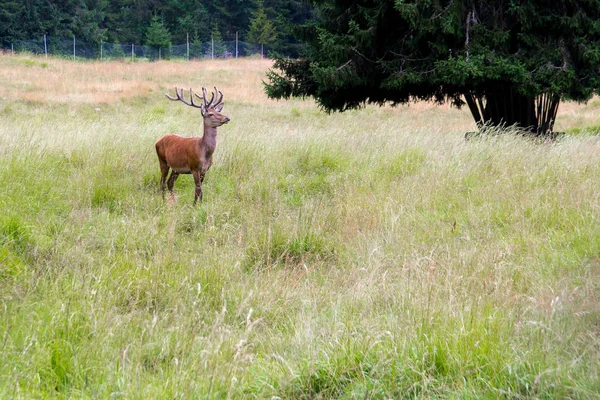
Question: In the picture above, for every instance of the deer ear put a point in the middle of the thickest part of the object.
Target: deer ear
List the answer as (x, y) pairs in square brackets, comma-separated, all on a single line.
[(219, 107), (203, 109)]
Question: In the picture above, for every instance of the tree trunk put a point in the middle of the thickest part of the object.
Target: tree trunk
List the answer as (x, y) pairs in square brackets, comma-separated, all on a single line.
[(504, 107)]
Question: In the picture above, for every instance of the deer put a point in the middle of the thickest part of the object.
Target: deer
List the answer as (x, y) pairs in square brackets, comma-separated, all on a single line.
[(192, 155)]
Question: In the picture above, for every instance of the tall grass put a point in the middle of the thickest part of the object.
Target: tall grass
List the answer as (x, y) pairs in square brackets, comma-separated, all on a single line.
[(370, 254)]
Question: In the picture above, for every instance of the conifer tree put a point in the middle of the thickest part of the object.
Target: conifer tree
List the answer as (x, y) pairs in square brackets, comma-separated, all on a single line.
[(261, 30), (195, 47), (218, 47), (10, 29), (115, 51), (509, 62), (158, 38)]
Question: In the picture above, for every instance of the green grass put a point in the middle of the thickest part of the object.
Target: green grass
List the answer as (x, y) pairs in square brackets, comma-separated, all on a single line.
[(371, 254)]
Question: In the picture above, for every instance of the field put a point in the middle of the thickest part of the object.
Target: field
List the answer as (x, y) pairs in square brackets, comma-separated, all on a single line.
[(371, 254)]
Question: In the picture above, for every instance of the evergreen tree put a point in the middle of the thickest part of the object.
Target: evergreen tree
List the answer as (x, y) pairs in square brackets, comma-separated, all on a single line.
[(87, 20), (286, 16), (193, 20), (231, 15), (261, 30), (195, 47), (115, 51), (10, 29), (127, 20), (510, 62), (158, 38), (217, 48), (34, 18), (40, 17)]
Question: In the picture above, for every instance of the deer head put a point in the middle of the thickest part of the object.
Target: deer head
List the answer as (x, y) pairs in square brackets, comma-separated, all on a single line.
[(211, 112)]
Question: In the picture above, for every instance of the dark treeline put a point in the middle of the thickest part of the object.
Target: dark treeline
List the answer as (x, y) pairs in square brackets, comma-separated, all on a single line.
[(267, 22)]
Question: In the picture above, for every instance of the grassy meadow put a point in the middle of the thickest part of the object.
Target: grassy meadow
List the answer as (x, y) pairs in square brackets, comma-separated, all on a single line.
[(373, 254)]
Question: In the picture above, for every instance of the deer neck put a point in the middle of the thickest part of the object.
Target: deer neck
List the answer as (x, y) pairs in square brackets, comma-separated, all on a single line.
[(209, 140)]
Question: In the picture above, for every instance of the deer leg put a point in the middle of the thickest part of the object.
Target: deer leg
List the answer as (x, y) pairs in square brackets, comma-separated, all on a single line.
[(164, 171), (171, 181), (198, 179)]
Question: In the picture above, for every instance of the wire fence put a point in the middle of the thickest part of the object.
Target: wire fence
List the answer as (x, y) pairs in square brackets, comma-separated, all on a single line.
[(77, 49)]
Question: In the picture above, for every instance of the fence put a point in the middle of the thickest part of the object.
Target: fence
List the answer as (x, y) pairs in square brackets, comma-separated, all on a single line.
[(73, 48)]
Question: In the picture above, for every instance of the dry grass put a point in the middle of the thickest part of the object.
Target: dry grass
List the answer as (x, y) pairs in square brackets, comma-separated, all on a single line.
[(63, 81)]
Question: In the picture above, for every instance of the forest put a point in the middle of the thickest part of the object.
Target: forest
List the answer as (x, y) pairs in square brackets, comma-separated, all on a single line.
[(155, 23)]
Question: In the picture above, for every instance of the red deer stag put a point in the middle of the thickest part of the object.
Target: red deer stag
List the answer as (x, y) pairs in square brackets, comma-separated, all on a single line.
[(191, 155)]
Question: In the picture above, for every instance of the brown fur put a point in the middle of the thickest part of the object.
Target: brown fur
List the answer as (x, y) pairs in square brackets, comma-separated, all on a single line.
[(192, 155)]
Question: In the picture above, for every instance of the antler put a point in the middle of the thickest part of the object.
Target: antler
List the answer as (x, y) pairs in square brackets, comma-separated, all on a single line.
[(220, 99), (207, 104), (181, 97), (212, 97)]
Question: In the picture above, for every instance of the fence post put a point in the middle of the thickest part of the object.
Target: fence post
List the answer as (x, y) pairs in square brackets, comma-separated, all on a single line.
[(188, 46), (100, 49), (45, 46), (132, 50), (236, 44), (73, 47), (12, 48), (212, 47)]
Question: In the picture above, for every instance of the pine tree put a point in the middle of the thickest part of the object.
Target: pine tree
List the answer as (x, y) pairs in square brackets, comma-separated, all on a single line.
[(217, 46), (192, 21), (158, 38), (261, 29), (195, 47), (287, 15), (510, 62), (115, 51), (10, 29)]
